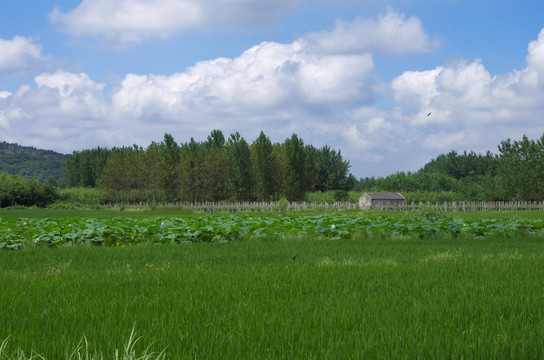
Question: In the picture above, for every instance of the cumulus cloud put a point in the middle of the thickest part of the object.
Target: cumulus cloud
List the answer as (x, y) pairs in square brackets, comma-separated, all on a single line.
[(132, 20), (468, 105), (323, 92), (62, 111), (535, 60), (269, 78), (19, 54), (391, 33)]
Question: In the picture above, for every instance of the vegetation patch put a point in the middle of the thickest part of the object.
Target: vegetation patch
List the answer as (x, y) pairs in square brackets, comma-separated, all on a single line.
[(289, 297), (16, 233)]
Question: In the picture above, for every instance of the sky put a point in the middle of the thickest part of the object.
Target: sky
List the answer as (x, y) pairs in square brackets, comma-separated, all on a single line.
[(361, 76)]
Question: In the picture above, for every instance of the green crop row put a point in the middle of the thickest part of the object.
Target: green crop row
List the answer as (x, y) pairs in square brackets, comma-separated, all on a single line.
[(20, 232)]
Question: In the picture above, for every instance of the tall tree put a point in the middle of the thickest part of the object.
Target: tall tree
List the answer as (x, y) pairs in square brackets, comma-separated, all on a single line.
[(264, 167), (240, 169), (279, 163), (521, 168), (85, 167), (215, 168), (151, 167), (216, 138), (295, 182), (170, 167), (332, 170), (192, 157), (123, 177)]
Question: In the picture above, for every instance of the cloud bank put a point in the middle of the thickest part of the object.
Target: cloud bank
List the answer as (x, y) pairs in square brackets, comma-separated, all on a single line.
[(319, 86)]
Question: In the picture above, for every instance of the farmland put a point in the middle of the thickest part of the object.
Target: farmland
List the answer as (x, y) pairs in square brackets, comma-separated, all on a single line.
[(338, 285), (16, 233)]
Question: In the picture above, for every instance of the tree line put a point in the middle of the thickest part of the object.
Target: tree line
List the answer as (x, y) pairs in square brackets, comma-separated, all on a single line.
[(217, 169), (515, 173), (231, 169)]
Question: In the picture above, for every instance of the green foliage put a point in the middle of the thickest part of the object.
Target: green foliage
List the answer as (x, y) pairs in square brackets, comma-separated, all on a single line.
[(463, 165), (281, 204), (29, 162), (332, 170), (320, 197), (169, 156), (516, 174), (82, 196), (83, 351), (425, 222), (130, 174), (264, 167), (431, 196), (83, 168), (240, 168), (213, 170), (295, 181), (429, 212), (15, 190), (521, 168), (192, 171)]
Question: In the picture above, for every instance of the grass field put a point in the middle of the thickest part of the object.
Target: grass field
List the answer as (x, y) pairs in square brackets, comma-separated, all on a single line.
[(289, 298)]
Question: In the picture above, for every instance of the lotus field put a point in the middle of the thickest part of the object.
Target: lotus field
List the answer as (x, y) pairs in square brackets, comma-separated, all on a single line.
[(16, 233), (271, 286)]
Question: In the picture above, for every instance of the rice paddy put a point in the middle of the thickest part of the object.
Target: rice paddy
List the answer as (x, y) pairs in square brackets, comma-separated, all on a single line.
[(292, 296)]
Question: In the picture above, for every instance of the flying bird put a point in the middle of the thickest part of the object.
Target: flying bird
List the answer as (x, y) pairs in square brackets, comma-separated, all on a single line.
[(429, 114)]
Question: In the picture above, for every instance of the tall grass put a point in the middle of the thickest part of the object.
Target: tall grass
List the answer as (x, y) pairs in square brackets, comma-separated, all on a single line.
[(290, 298), (83, 352)]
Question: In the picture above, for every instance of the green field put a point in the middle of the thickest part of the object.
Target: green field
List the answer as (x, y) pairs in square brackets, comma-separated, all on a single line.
[(280, 297)]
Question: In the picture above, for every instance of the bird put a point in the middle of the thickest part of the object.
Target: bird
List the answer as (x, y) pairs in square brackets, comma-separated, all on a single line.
[(429, 114), (293, 257)]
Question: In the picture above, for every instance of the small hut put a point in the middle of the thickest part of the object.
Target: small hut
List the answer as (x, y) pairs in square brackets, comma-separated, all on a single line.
[(381, 200)]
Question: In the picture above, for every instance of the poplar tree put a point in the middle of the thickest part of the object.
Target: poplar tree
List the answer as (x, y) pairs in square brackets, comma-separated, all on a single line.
[(170, 167), (264, 167), (215, 168), (295, 181), (240, 169)]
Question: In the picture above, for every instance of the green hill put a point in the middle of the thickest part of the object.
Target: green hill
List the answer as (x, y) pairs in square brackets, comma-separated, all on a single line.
[(30, 162)]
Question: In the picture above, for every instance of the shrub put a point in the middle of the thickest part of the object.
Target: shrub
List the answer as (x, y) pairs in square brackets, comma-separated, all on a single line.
[(15, 190), (430, 212), (282, 204), (83, 196)]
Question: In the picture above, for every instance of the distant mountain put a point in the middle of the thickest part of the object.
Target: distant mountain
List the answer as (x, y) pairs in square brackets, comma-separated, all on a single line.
[(30, 162)]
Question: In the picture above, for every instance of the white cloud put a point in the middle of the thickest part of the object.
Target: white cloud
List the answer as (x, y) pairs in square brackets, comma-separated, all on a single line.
[(18, 54), (321, 92), (269, 84), (61, 113), (266, 80), (469, 107), (371, 130), (132, 20), (68, 83), (391, 33), (535, 58), (414, 90)]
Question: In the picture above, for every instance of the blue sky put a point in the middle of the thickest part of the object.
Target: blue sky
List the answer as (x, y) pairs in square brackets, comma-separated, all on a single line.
[(360, 75)]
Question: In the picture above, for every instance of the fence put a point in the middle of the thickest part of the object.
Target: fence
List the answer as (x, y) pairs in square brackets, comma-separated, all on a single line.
[(468, 206), (234, 207)]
